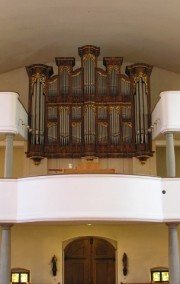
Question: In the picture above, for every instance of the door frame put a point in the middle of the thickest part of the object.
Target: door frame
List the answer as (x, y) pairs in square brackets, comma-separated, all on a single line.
[(110, 241)]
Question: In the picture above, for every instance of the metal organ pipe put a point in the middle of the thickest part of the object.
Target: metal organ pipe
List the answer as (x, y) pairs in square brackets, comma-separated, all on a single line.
[(76, 132), (79, 85), (66, 119), (145, 113), (41, 115), (37, 119), (141, 112), (64, 82), (86, 77), (137, 122), (52, 133), (125, 87), (115, 125), (89, 75), (37, 112), (101, 84), (33, 116), (53, 88), (89, 124), (60, 127), (37, 115), (114, 81), (68, 126), (64, 125)]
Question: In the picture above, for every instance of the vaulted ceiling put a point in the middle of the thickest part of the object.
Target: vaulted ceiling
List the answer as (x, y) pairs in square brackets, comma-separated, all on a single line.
[(139, 31)]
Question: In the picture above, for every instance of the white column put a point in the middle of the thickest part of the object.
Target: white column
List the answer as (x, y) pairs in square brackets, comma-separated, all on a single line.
[(172, 228), (5, 253), (173, 254), (5, 256), (170, 155), (8, 166)]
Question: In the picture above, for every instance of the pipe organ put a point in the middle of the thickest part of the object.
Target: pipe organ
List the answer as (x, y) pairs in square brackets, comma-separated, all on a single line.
[(89, 111)]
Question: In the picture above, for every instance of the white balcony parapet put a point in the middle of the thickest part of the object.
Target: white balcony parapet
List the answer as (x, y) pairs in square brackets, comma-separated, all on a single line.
[(13, 116), (110, 198), (166, 114)]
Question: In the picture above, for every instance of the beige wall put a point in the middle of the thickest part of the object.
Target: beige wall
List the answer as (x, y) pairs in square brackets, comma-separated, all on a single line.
[(161, 161), (154, 166), (18, 158), (33, 246), (24, 166)]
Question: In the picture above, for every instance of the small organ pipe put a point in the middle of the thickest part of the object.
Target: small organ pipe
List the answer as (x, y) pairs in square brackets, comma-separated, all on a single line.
[(145, 113), (41, 115), (33, 115), (137, 114), (141, 111), (37, 112)]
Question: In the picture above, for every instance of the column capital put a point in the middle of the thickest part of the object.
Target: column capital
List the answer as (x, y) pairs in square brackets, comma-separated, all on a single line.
[(6, 226), (172, 224)]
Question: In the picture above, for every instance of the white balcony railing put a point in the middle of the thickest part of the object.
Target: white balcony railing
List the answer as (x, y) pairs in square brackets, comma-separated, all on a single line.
[(13, 116), (90, 197), (166, 114)]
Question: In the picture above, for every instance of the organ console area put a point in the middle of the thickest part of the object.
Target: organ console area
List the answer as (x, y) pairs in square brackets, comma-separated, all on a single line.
[(89, 111)]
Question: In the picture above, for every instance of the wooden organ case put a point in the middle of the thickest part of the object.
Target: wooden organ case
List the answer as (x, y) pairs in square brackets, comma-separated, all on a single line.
[(89, 111)]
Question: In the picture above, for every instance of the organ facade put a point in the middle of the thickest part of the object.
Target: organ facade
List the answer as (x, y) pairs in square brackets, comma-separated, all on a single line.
[(89, 111)]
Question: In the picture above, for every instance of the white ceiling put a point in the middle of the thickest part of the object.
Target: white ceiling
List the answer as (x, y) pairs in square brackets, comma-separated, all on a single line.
[(37, 31)]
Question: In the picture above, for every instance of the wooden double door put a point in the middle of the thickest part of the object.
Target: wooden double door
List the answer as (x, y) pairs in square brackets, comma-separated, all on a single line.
[(89, 260)]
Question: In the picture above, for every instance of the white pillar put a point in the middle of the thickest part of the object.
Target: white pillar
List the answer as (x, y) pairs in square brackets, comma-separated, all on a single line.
[(173, 254), (172, 228), (5, 253), (5, 256), (8, 167), (170, 155)]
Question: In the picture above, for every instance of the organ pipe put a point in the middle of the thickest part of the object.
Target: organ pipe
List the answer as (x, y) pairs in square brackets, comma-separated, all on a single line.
[(140, 76), (89, 74), (52, 132), (64, 125), (38, 77)]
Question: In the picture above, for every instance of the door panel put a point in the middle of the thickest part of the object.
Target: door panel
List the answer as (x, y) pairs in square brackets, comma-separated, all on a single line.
[(89, 260)]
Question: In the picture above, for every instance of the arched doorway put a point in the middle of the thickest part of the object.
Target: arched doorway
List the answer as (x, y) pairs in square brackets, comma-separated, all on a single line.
[(89, 260)]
